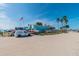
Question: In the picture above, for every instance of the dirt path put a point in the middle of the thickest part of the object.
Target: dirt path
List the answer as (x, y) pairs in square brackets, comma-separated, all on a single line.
[(51, 45)]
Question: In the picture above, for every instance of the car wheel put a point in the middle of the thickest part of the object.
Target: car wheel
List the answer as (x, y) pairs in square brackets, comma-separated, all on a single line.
[(29, 34)]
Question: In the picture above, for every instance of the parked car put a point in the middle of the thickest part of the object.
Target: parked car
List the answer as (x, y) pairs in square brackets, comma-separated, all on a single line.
[(21, 32)]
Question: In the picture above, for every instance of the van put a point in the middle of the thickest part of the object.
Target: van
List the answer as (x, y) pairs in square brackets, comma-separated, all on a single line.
[(21, 32)]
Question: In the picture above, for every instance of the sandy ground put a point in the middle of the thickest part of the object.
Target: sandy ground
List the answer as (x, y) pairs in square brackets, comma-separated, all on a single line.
[(52, 45)]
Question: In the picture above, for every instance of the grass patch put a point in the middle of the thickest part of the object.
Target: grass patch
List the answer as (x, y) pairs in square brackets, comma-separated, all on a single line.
[(1, 33)]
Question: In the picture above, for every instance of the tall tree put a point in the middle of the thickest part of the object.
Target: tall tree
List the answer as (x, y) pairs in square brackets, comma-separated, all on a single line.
[(39, 23), (65, 22), (58, 21), (62, 22)]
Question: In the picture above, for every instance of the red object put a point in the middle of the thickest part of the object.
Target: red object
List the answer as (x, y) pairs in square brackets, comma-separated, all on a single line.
[(32, 31)]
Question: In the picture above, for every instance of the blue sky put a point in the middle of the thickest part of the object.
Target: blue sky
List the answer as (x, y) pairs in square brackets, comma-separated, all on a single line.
[(47, 13)]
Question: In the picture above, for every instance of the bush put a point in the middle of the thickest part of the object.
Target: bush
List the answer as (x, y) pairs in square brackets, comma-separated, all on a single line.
[(1, 33)]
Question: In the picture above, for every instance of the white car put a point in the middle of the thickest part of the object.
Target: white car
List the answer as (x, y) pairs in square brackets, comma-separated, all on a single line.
[(20, 32)]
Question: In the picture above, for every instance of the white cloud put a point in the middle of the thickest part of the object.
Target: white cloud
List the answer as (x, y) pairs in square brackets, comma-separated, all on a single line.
[(3, 15), (3, 5), (5, 21)]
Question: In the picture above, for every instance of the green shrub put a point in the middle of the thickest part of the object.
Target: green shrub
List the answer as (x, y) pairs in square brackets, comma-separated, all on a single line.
[(1, 33)]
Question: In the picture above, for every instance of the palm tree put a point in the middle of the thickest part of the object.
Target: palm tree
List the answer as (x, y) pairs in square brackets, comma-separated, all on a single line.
[(58, 21), (62, 23), (65, 22), (67, 26)]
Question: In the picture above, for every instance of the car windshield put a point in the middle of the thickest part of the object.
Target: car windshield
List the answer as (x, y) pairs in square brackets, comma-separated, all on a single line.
[(20, 32), (19, 28)]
